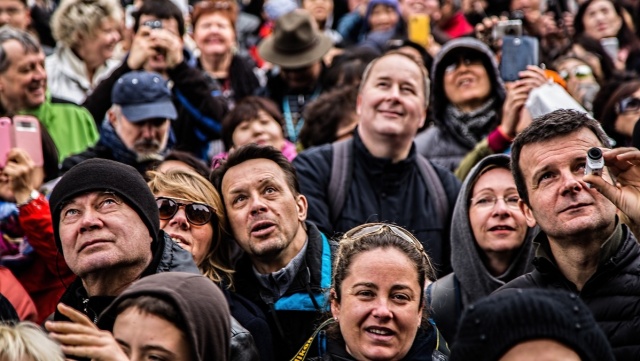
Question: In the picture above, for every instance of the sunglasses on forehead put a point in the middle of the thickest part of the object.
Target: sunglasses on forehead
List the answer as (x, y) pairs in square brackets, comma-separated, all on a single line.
[(378, 228), (197, 213), (628, 104)]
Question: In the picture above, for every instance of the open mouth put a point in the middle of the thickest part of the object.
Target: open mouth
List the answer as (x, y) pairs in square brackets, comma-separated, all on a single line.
[(262, 228), (379, 332)]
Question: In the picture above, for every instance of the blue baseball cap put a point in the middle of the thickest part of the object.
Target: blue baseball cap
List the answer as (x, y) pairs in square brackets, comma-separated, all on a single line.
[(143, 95)]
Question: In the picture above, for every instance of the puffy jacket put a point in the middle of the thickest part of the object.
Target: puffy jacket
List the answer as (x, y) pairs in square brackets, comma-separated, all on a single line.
[(612, 293), (380, 191)]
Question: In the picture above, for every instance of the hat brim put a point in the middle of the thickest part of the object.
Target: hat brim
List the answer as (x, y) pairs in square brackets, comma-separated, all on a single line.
[(269, 53), (139, 112)]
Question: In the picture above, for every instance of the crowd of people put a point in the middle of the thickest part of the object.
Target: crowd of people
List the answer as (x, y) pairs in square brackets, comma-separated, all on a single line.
[(320, 180)]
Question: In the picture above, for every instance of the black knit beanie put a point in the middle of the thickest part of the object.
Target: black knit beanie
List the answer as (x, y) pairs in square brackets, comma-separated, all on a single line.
[(495, 324), (100, 175)]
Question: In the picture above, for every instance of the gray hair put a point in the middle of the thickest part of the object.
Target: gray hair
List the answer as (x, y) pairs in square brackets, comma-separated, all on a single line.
[(425, 74), (76, 18), (28, 42)]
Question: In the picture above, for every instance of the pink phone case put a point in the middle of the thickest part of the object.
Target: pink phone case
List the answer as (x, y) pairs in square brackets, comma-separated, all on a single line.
[(27, 136), (6, 133)]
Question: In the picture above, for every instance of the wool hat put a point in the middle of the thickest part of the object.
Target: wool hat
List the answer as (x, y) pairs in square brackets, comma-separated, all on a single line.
[(143, 95), (100, 175), (495, 324), (295, 42)]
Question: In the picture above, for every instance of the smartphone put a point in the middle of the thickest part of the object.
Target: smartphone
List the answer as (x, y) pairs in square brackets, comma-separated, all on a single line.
[(6, 135), (517, 53), (27, 136), (611, 47), (507, 27), (419, 29)]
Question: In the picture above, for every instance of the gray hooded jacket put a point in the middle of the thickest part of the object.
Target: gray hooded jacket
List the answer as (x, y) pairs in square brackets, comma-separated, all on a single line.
[(443, 143)]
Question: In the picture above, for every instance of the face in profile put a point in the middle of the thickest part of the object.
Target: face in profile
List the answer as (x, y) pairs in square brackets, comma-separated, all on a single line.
[(497, 223), (144, 336), (379, 309)]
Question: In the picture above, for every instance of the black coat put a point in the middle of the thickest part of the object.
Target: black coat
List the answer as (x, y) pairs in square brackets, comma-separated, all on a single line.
[(612, 293), (380, 191)]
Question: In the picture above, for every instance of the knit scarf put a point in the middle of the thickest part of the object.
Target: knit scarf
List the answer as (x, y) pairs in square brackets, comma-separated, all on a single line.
[(469, 128)]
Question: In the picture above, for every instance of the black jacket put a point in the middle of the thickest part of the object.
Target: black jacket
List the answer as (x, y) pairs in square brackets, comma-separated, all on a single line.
[(422, 349), (380, 191), (167, 257), (199, 113), (612, 293), (290, 328)]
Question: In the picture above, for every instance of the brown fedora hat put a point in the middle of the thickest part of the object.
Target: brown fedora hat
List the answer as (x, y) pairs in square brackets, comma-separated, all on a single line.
[(296, 41)]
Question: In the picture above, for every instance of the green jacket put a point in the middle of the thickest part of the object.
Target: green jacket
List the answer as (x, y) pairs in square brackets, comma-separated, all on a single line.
[(71, 126)]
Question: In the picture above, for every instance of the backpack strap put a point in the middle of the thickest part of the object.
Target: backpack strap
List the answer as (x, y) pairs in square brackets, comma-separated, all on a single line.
[(435, 188), (302, 353), (341, 168)]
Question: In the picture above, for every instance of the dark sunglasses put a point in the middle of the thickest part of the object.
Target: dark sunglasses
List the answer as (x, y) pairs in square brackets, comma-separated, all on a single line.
[(197, 213), (378, 228), (467, 60), (629, 104)]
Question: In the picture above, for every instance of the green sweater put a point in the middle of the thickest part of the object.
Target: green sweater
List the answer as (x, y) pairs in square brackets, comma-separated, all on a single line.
[(71, 126)]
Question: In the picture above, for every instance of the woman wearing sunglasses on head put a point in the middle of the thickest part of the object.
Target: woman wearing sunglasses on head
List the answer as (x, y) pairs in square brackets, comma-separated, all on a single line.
[(621, 114), (191, 212), (377, 299)]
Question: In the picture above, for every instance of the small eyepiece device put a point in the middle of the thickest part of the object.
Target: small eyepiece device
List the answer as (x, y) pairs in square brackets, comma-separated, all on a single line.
[(595, 162)]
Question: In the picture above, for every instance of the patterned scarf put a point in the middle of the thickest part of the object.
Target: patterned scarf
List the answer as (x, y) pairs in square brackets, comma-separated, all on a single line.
[(470, 128)]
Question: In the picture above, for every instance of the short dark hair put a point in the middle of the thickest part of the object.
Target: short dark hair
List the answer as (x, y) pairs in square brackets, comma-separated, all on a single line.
[(549, 126), (254, 151), (247, 109), (161, 9)]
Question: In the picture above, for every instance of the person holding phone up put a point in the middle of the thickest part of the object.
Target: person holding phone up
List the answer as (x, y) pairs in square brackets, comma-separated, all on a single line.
[(42, 272)]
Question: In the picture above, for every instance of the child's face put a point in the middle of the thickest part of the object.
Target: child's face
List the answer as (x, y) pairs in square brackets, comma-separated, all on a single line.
[(383, 18)]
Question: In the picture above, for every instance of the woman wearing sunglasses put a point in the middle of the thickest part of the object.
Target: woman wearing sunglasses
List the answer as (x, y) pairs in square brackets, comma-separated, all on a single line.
[(491, 240), (377, 298), (580, 78), (191, 212), (621, 114)]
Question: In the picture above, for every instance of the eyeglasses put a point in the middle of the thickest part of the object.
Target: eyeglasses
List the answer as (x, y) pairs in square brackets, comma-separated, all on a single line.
[(466, 60), (369, 229), (487, 202), (628, 105), (579, 72), (197, 213)]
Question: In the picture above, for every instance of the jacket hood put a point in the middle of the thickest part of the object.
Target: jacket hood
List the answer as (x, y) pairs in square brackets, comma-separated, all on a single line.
[(467, 257), (453, 48), (199, 302)]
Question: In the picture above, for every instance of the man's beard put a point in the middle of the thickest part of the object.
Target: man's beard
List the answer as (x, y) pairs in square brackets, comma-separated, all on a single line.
[(148, 149)]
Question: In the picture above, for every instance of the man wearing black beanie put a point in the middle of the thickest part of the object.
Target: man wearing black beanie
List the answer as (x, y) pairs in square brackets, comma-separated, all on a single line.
[(106, 225)]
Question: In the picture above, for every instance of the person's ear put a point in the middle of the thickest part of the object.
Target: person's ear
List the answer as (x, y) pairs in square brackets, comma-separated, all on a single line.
[(335, 305), (528, 213)]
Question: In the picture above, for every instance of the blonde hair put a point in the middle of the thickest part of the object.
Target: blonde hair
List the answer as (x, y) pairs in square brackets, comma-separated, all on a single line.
[(76, 18), (189, 185), (26, 340)]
